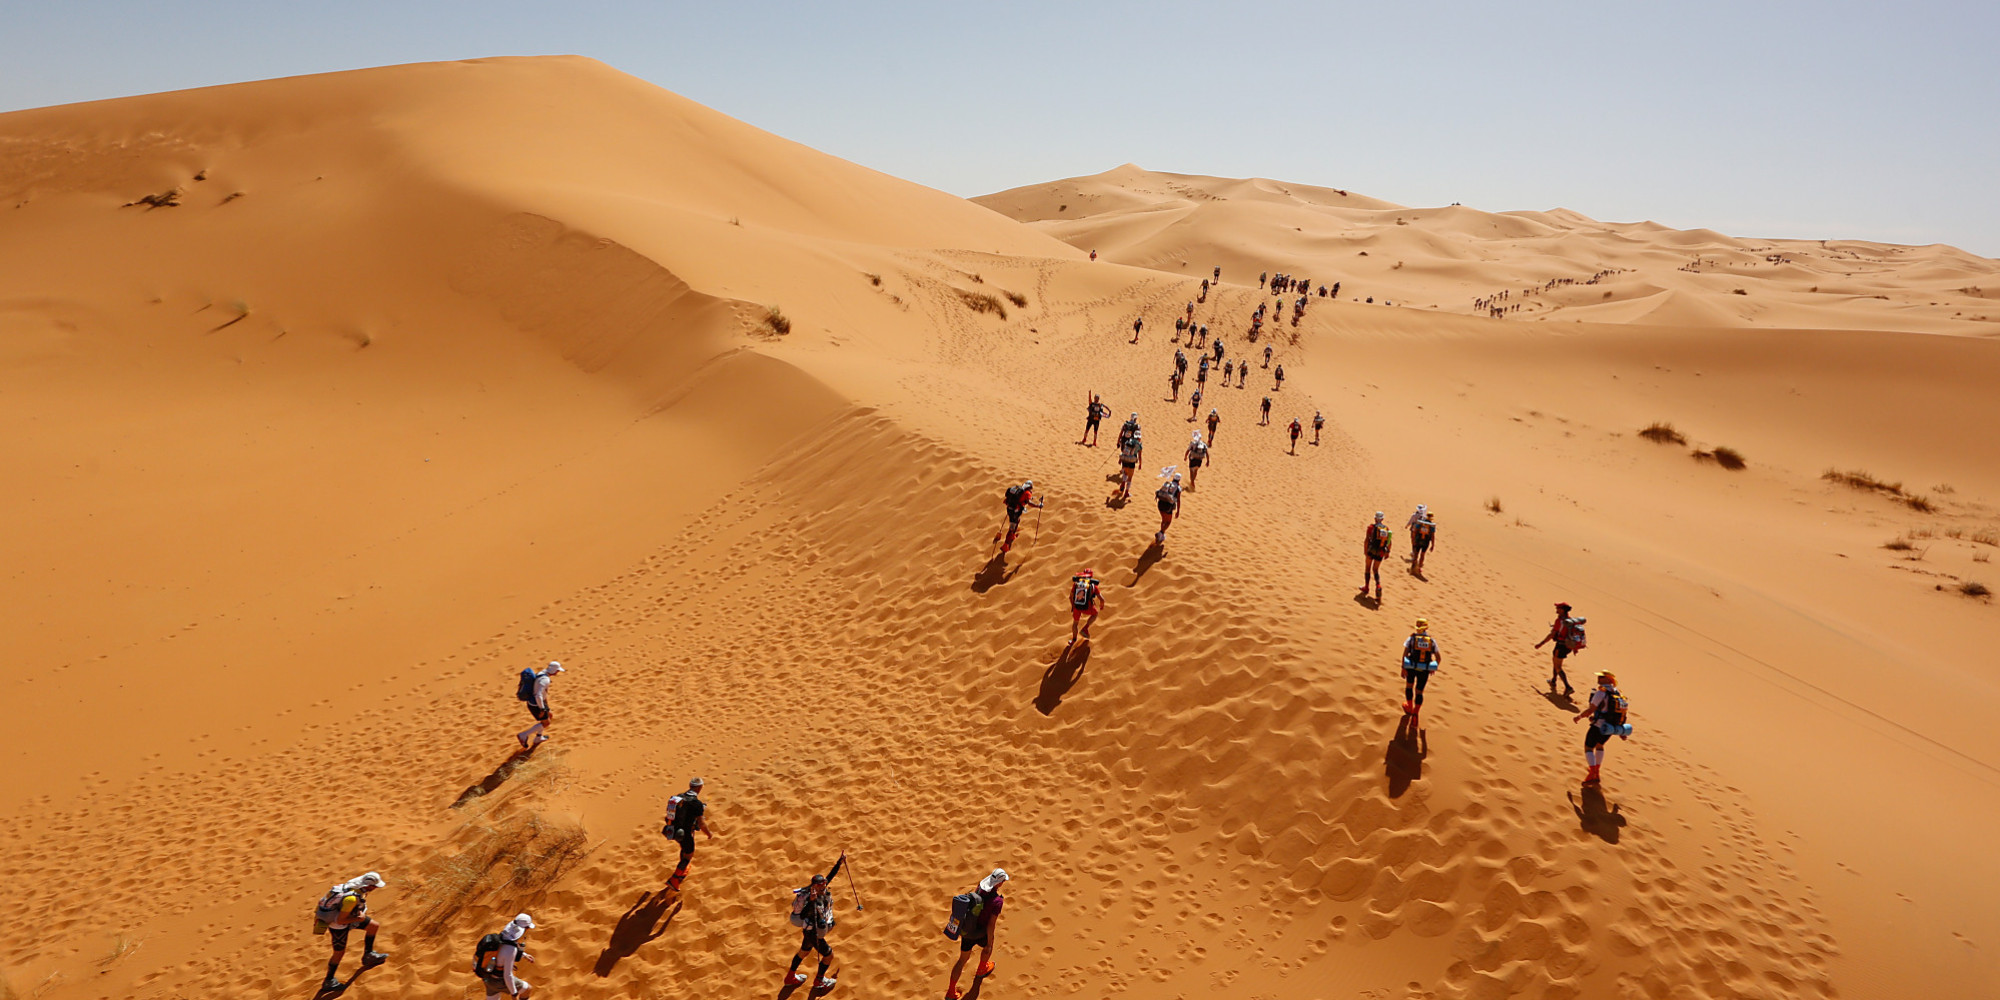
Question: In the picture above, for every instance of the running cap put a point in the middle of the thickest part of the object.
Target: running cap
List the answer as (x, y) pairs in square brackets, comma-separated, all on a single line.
[(1561, 606), (554, 667), (1421, 508), (1027, 484), (1423, 623), (521, 924), (1378, 515), (1085, 573), (694, 784), (1135, 414), (372, 880), (1606, 677), (992, 882), (819, 880)]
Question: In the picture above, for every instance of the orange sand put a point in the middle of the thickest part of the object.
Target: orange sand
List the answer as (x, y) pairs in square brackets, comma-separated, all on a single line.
[(435, 372)]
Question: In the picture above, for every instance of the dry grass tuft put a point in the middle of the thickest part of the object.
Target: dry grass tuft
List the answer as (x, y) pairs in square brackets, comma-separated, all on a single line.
[(1020, 301), (873, 278), (1493, 504), (980, 303), (1920, 504), (1986, 536), (1973, 588), (1861, 480), (121, 948), (1730, 458), (1899, 545), (514, 861), (169, 198), (1660, 432), (777, 322)]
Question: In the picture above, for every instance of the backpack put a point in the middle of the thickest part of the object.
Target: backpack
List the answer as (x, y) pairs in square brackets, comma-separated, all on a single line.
[(1418, 651), (1611, 717), (1014, 497), (327, 910), (525, 690), (1168, 493), (1199, 452), (964, 907), (679, 820), (1379, 541), (1572, 636), (1424, 531), (1083, 591), (483, 962)]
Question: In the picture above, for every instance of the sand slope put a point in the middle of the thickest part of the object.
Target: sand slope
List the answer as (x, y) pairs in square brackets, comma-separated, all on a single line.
[(1558, 265), (481, 370)]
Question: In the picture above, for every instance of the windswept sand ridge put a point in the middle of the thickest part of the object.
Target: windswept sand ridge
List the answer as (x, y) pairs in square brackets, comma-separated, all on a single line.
[(766, 559), (1558, 265)]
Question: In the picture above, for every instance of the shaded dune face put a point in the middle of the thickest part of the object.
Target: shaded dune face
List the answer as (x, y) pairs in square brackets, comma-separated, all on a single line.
[(409, 378)]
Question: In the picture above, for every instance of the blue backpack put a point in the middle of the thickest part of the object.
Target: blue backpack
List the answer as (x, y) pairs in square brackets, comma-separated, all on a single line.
[(526, 689)]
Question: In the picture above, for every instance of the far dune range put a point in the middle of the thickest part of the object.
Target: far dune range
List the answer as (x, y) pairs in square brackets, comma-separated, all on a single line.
[(340, 399)]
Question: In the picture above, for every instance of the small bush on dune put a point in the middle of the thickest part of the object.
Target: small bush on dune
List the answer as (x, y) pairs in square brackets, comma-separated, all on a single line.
[(777, 322), (1899, 545), (1986, 537), (1663, 433), (1920, 504), (1973, 588), (1019, 300), (517, 860), (982, 303), (1730, 458), (1493, 504), (1860, 480)]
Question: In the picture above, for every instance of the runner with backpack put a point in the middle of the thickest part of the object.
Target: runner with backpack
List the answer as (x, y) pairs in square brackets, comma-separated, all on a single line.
[(1214, 421), (1086, 600), (1130, 451), (1174, 380), (1130, 429), (1196, 454), (1228, 371), (1318, 422), (1607, 710), (1420, 661), (1375, 547), (1095, 412), (1194, 405), (1137, 325), (1169, 496), (1568, 635), (1279, 373), (1018, 499), (1295, 430), (1423, 535), (975, 922), (533, 688), (494, 957), (686, 813), (337, 914), (1265, 419), (812, 914)]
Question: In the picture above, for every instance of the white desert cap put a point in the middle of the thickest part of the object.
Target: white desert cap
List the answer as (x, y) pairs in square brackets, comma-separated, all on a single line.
[(555, 667), (992, 882), (371, 880), (521, 924)]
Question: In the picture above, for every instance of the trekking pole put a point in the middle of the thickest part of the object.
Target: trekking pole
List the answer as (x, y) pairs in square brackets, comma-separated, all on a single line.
[(850, 881), (1038, 525)]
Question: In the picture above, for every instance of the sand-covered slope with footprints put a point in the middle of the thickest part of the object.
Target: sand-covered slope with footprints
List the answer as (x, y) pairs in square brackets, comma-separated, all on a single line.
[(723, 424)]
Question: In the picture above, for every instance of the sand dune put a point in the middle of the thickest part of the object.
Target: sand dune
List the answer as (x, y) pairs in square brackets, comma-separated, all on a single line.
[(496, 362), (1557, 265)]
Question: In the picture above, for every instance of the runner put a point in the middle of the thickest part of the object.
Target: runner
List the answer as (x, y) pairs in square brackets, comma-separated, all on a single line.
[(1204, 333), (812, 914), (1228, 370), (1420, 661), (1318, 422), (1267, 355), (1174, 386), (1201, 371), (1086, 600), (1196, 454), (1423, 534), (1261, 275), (338, 913), (686, 813), (1129, 455), (1375, 548), (1214, 421), (1095, 412), (493, 960), (980, 930), (1204, 291), (1563, 633), (1137, 324), (1180, 327), (1295, 430), (1169, 496), (1130, 429), (1280, 373), (1180, 360), (1018, 499), (1218, 274), (1194, 402), (1266, 408), (533, 688), (1607, 709)]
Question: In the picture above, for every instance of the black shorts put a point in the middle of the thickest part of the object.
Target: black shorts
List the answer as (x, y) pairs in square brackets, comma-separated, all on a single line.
[(971, 941), (1595, 737), (1194, 463), (685, 839), (1420, 546), (1091, 423), (1127, 466), (339, 934), (1561, 651), (540, 712), (813, 940), (1166, 508)]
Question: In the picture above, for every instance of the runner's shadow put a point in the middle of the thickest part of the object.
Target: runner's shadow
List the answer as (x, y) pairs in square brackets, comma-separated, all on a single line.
[(641, 924), (993, 574), (1368, 602), (322, 993), (1562, 701), (1419, 574), (1597, 820), (1403, 759), (1147, 560), (495, 780), (1061, 676), (1116, 502)]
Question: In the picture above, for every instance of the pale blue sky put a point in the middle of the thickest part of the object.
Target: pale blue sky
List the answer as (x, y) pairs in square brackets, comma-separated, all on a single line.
[(1878, 121)]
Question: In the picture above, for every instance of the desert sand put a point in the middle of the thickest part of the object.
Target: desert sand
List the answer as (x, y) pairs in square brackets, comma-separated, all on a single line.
[(408, 378)]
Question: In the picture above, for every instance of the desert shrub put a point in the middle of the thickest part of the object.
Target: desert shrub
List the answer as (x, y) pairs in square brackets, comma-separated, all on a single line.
[(777, 322), (1660, 432), (169, 198), (874, 279), (1919, 503), (1493, 504), (1973, 588), (1861, 480), (1729, 458), (518, 859), (1018, 299), (1899, 545), (1986, 536), (982, 303)]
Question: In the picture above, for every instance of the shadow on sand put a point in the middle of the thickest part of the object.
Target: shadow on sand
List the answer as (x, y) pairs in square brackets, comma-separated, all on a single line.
[(1147, 560), (1062, 675), (1597, 820), (1368, 601), (495, 780), (993, 574), (1562, 701), (646, 920), (1403, 760)]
